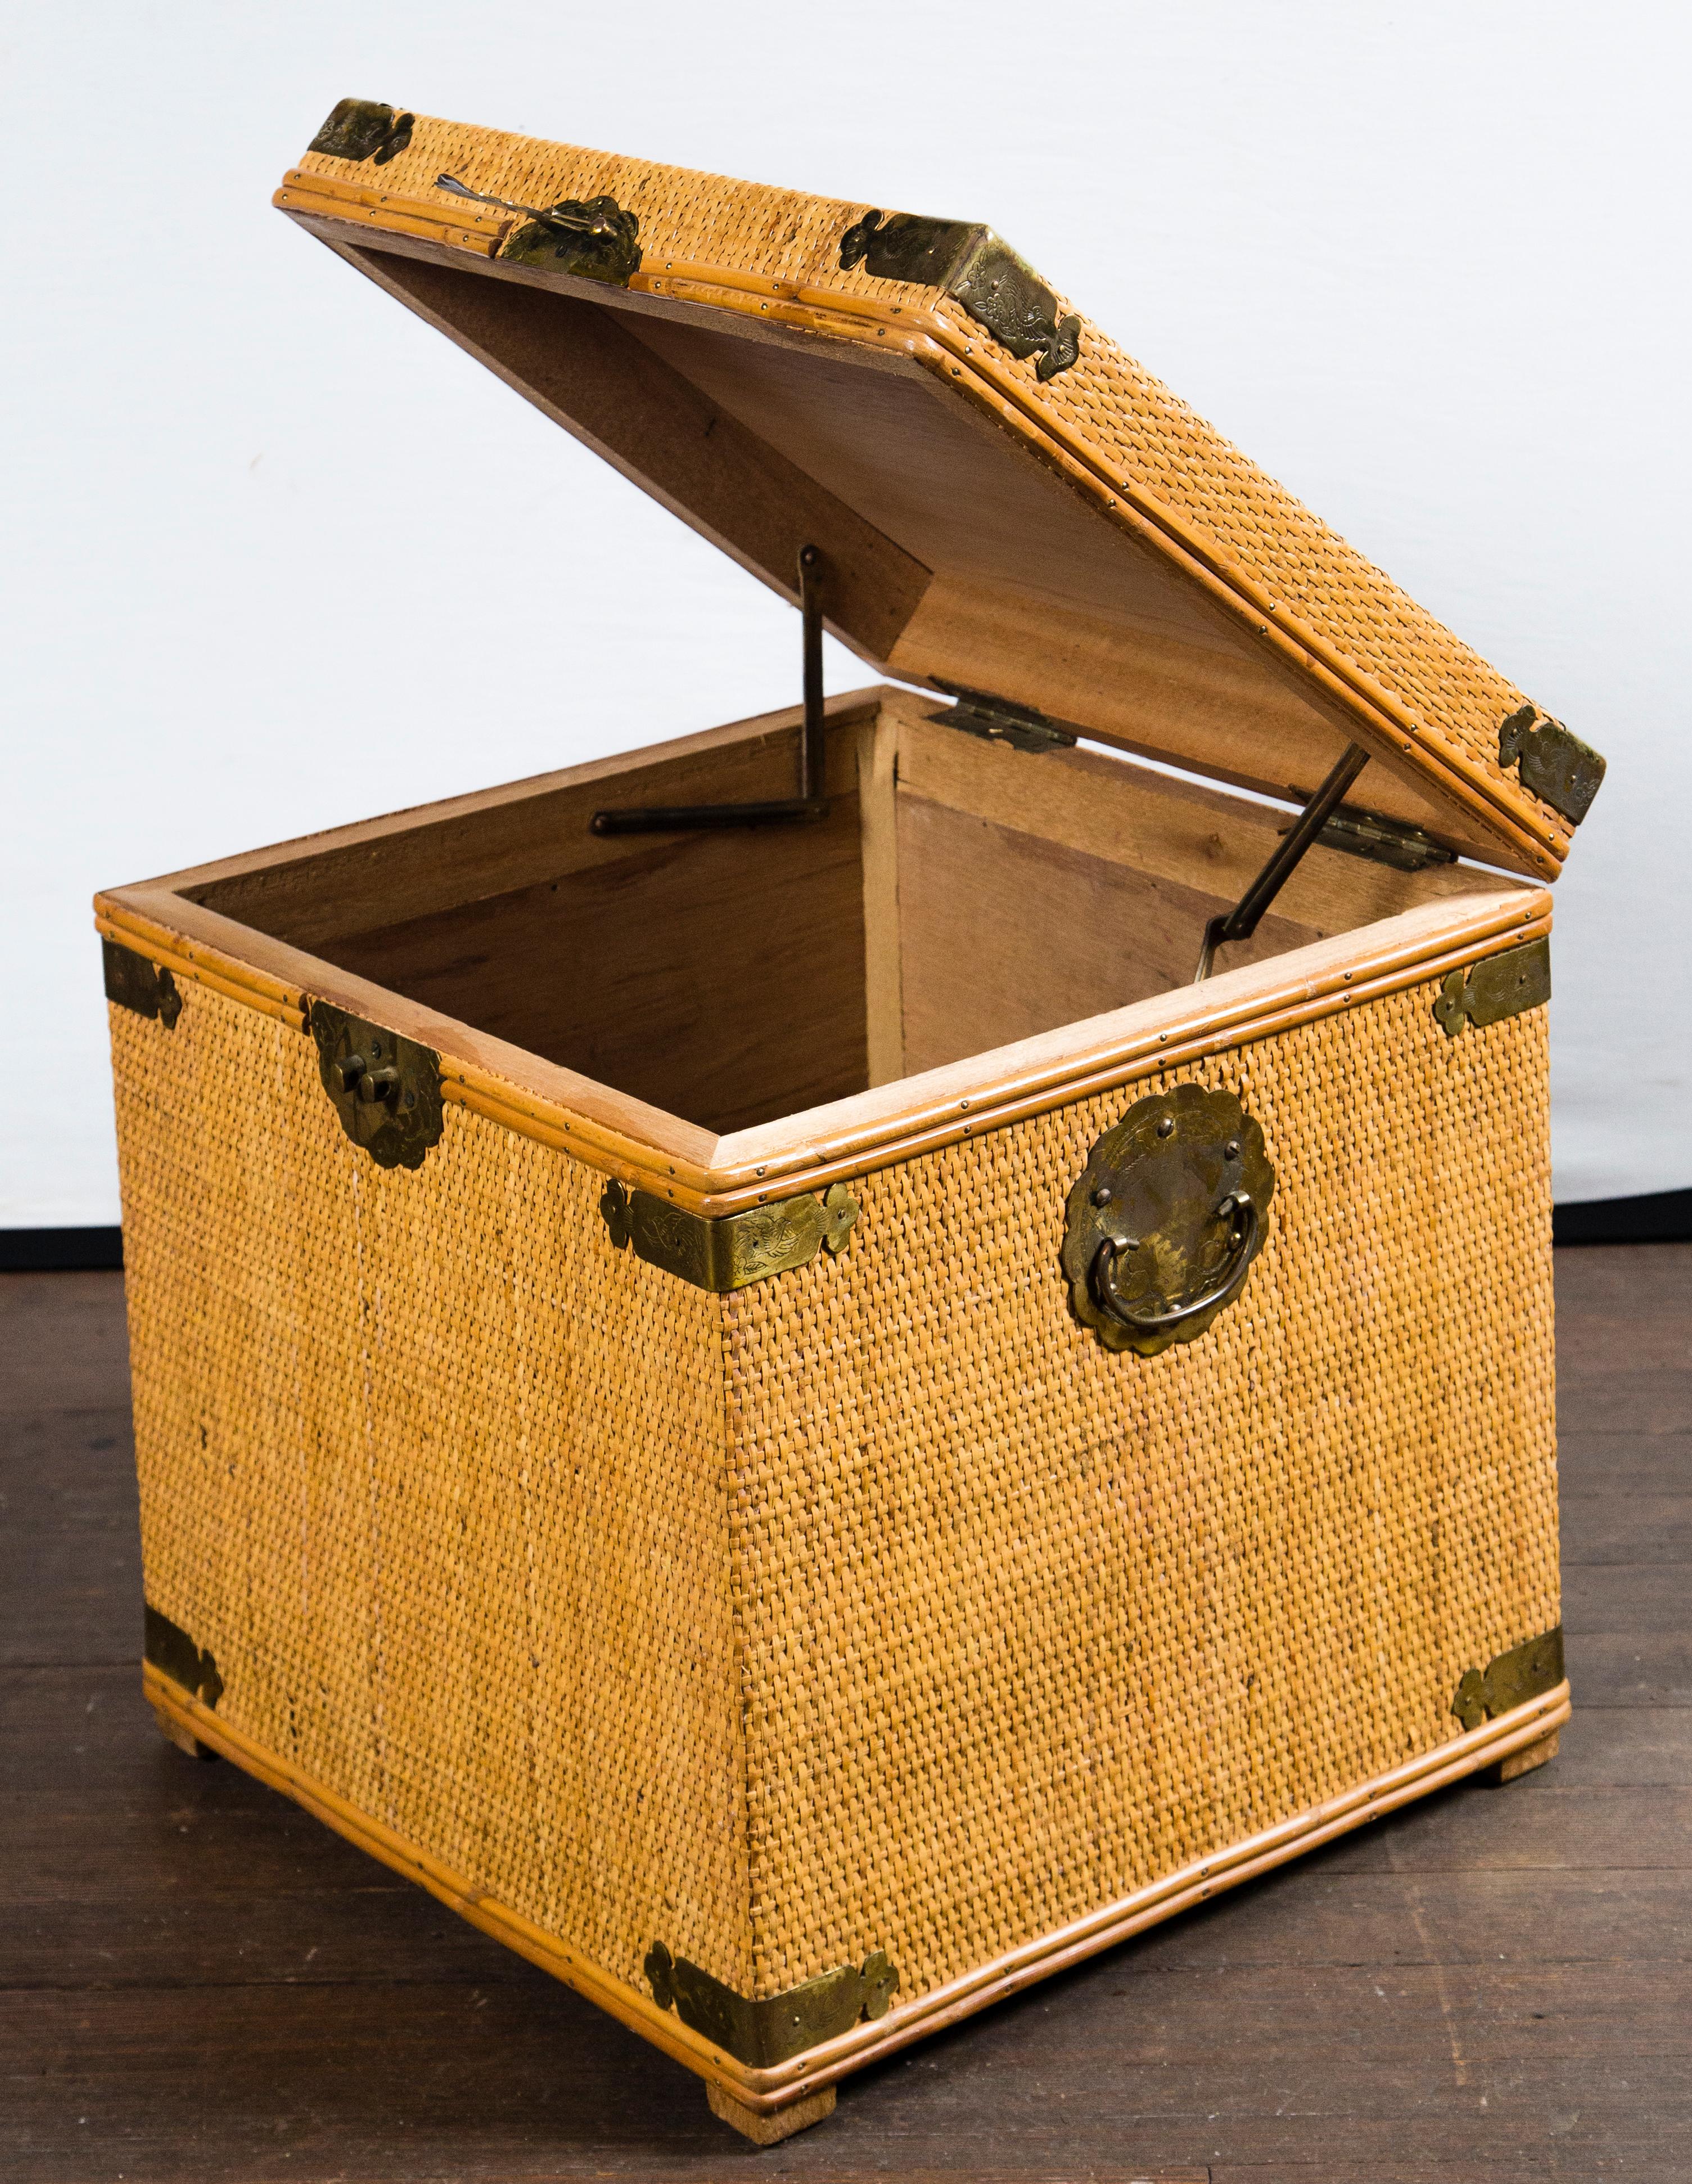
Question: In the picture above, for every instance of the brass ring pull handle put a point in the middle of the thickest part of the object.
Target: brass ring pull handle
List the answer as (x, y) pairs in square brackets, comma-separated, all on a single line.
[(1242, 1247), (1146, 1264)]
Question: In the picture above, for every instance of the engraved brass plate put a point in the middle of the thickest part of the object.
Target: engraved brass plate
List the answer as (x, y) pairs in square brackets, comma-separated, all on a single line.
[(169, 1648), (365, 129), (1168, 1214), (736, 1249), (999, 290), (386, 1089), (1509, 1680), (135, 984), (1497, 987), (1550, 762), (773, 2030)]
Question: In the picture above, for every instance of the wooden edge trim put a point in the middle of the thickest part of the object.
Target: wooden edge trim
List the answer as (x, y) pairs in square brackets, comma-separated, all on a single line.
[(327, 197), (884, 1140), (857, 1149), (625, 2004), (846, 708), (463, 1083), (934, 340), (769, 2092), (201, 965), (1183, 1891)]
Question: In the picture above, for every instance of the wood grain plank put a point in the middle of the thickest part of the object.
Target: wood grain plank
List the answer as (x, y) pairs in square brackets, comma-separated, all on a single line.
[(718, 976), (583, 366), (466, 849), (64, 1344), (878, 746)]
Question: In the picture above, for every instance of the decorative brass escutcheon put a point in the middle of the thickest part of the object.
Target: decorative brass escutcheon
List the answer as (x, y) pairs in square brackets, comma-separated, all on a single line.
[(1169, 1213), (386, 1089)]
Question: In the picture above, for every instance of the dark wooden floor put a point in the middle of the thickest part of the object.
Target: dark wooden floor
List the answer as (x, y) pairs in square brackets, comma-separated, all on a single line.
[(198, 1982)]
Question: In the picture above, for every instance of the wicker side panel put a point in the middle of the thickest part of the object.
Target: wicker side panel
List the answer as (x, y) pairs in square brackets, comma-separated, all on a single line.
[(1166, 448), (438, 1477), (1027, 1625)]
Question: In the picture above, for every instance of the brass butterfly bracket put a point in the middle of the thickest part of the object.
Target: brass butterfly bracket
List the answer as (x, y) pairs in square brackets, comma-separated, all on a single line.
[(774, 2029), (1526, 1671), (1497, 987)]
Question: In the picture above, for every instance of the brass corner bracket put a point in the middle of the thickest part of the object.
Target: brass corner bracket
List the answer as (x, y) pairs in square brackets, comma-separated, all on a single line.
[(135, 984), (735, 1248), (1497, 987), (361, 129), (764, 2033), (166, 1647), (386, 1089), (1509, 1680), (1550, 762), (968, 262)]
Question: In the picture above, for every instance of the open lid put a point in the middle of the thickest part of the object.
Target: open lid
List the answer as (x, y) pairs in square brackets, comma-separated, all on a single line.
[(1005, 503)]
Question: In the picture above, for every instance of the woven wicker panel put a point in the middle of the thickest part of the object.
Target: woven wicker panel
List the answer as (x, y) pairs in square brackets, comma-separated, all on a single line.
[(1025, 1624), (1111, 401), (438, 1478)]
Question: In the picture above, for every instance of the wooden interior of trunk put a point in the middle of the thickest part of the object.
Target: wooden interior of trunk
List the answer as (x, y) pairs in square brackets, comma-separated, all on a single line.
[(960, 895)]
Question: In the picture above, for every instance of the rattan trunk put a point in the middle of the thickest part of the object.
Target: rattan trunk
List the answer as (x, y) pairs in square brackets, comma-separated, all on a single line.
[(736, 1368)]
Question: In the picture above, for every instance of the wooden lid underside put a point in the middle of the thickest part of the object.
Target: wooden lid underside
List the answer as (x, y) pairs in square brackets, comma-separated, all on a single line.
[(982, 528)]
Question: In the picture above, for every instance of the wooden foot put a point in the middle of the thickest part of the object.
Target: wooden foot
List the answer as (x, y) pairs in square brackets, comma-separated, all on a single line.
[(1522, 1762), (183, 1739), (769, 2129)]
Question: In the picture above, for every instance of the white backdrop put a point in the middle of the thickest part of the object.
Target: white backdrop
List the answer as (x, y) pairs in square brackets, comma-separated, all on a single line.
[(272, 545)]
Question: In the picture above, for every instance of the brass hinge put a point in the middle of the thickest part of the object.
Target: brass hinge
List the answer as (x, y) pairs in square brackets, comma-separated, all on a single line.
[(135, 984), (1384, 841), (1497, 987), (1001, 721), (169, 1648), (1526, 1672), (1550, 762), (728, 1252), (386, 1089), (773, 2030)]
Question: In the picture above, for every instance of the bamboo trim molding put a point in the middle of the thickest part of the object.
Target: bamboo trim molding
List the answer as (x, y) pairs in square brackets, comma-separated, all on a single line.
[(933, 340), (903, 1121), (767, 2093)]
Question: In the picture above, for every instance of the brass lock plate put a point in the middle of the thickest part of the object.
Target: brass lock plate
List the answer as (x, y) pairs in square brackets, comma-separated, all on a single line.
[(386, 1089), (1167, 1218)]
